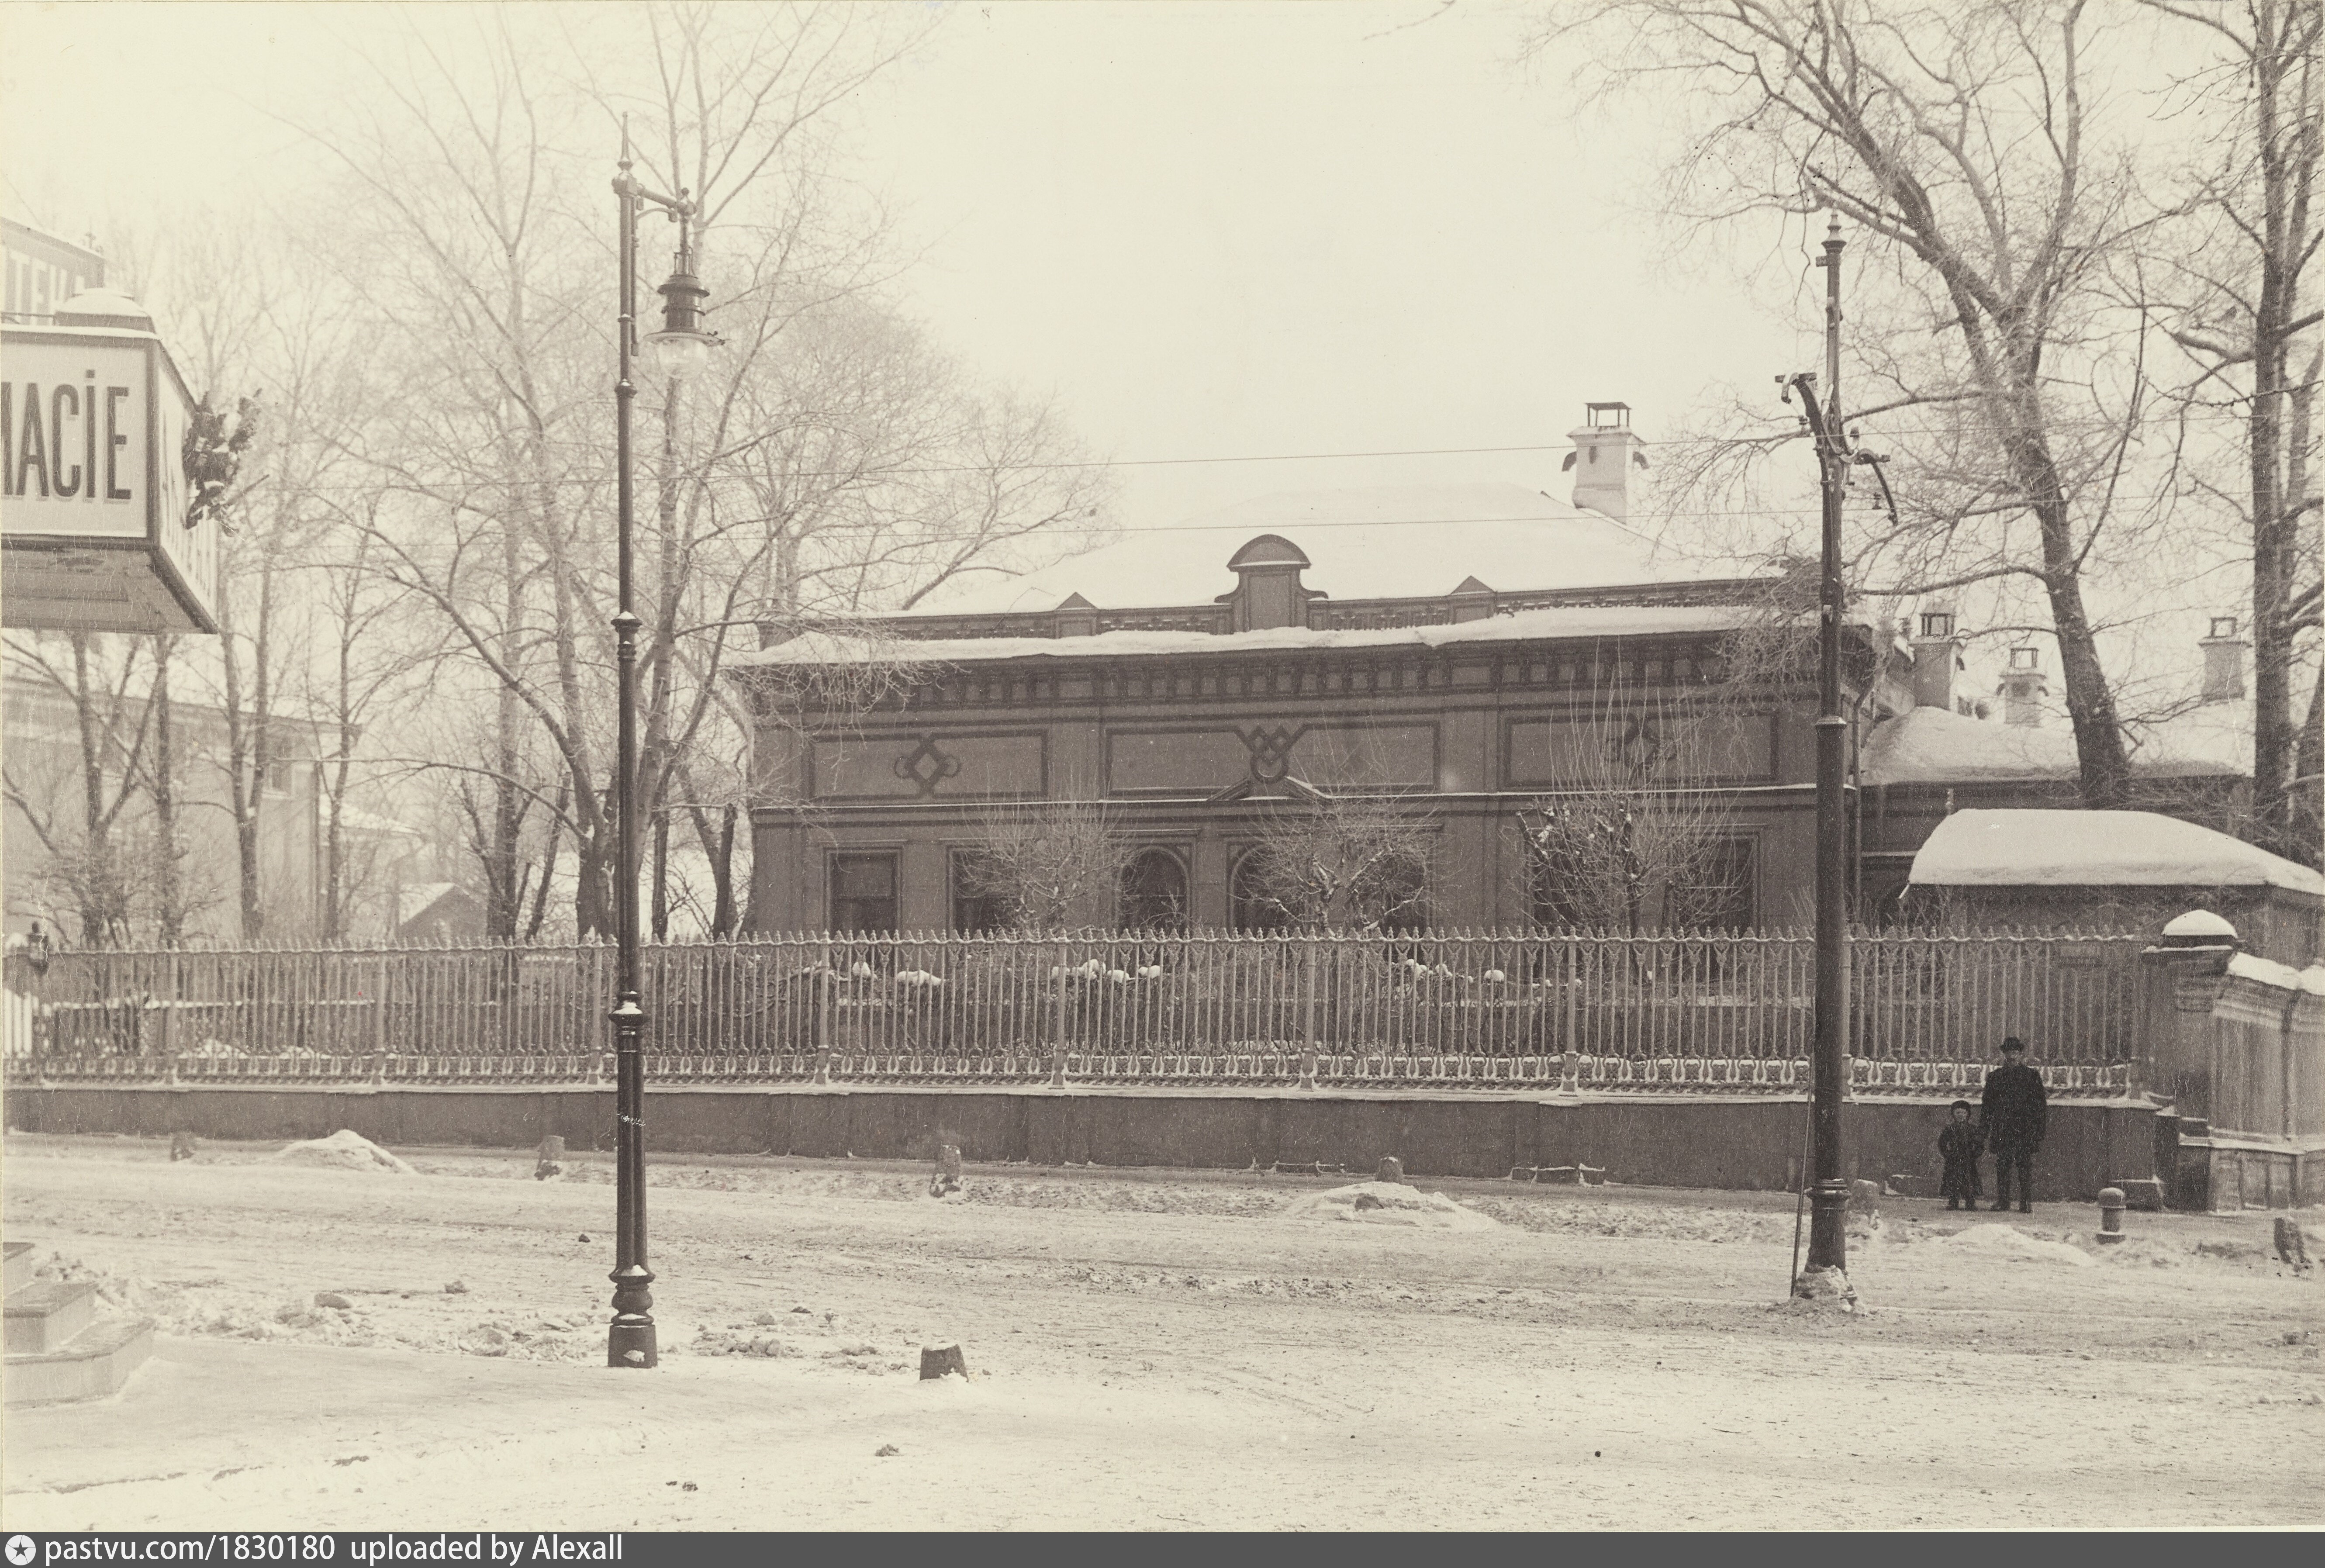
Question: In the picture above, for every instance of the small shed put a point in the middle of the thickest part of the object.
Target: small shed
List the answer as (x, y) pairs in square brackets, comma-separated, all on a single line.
[(438, 912), (2128, 871)]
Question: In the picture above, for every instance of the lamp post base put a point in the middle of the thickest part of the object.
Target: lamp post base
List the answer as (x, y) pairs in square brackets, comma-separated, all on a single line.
[(1825, 1286), (1826, 1278), (630, 1344)]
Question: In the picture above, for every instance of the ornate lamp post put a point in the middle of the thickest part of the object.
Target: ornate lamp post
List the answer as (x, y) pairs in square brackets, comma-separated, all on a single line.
[(669, 355)]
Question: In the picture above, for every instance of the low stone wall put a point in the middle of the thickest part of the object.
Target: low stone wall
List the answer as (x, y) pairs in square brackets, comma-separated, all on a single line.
[(1679, 1141)]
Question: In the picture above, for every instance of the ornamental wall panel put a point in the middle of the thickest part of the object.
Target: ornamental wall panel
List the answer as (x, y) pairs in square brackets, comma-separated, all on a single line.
[(1561, 749), (926, 766), (1204, 761)]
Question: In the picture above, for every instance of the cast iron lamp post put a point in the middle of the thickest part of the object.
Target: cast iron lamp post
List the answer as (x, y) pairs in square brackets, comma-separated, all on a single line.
[(669, 355), (1828, 1262)]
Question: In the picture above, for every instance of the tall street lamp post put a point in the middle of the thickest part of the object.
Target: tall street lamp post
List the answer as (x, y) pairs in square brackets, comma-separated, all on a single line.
[(669, 355), (1828, 1261)]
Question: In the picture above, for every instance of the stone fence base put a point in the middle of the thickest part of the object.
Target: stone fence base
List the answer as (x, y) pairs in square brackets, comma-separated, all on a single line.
[(1750, 1144)]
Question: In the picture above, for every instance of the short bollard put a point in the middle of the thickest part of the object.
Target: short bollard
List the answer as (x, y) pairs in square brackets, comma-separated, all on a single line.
[(2112, 1204), (947, 1176), (1391, 1169)]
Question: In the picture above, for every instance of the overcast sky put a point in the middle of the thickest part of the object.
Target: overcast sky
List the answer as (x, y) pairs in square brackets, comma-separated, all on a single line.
[(1211, 231)]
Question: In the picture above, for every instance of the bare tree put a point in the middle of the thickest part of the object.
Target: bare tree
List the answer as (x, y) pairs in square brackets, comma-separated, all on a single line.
[(1049, 864), (1962, 139), (2237, 290), (1338, 861), (482, 280), (70, 784), (1628, 838)]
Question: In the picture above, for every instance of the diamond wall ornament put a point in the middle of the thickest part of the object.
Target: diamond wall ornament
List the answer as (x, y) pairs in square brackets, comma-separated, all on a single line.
[(928, 765)]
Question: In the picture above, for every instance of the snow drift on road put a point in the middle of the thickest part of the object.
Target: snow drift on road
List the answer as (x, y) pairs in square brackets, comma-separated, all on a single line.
[(344, 1150), (2006, 1241), (1389, 1204)]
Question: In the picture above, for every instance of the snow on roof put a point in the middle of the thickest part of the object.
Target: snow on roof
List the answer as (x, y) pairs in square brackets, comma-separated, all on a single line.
[(2283, 977), (2069, 848), (417, 898), (1526, 625), (1386, 541), (355, 819), (1931, 746)]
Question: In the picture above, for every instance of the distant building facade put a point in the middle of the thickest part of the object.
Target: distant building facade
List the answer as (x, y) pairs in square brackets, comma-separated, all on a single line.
[(1452, 649), (42, 830), (43, 272), (1954, 750)]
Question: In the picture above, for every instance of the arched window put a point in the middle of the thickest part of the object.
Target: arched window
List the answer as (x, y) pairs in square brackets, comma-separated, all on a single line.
[(1396, 897), (1252, 908), (1391, 896), (1153, 892)]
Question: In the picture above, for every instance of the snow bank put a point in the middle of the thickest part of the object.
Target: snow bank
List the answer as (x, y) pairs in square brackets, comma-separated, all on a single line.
[(2066, 848), (1389, 1204), (344, 1150), (2007, 1242)]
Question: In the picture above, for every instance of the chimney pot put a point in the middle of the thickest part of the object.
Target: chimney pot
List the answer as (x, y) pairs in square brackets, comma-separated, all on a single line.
[(1604, 449), (2224, 661), (2023, 688), (1937, 653)]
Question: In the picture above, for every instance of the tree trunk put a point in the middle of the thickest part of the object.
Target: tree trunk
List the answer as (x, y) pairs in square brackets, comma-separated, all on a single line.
[(662, 876), (97, 874), (169, 896), (2278, 440)]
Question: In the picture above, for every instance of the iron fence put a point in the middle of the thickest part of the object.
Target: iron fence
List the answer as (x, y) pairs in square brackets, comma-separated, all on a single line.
[(1451, 1006)]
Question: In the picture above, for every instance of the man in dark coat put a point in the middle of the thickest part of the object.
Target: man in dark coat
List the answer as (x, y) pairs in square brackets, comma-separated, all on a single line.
[(2016, 1114)]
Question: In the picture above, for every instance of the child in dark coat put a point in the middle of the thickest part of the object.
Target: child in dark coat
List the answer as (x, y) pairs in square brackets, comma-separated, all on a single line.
[(1959, 1146)]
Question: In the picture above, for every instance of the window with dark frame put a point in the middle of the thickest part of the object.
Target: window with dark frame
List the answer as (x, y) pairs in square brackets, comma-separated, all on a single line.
[(1153, 892), (864, 891), (1249, 907), (1719, 893), (976, 906)]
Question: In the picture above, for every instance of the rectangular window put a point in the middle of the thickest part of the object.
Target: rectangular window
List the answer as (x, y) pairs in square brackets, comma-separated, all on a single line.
[(1717, 892), (978, 904), (864, 891)]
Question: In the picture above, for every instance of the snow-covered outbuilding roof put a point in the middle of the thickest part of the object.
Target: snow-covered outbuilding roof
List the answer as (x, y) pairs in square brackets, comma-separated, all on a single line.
[(2072, 848), (417, 898), (1932, 746), (1384, 541), (1564, 622)]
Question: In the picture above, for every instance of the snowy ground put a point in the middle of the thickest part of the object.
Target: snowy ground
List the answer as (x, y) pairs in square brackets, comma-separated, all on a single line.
[(1152, 1350)]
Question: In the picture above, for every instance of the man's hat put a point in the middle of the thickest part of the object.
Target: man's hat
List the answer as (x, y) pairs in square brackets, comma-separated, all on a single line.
[(2012, 1043), (1961, 1105)]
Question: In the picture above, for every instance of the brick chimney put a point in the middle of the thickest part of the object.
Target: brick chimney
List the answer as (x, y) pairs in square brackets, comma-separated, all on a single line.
[(1269, 593), (1937, 653), (1604, 449), (2024, 687), (2224, 661)]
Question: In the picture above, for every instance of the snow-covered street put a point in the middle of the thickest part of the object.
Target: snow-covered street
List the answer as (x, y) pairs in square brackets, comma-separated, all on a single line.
[(1151, 1350)]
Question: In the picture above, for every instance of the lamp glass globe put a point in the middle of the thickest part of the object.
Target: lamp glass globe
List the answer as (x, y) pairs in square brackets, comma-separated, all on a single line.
[(673, 356)]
